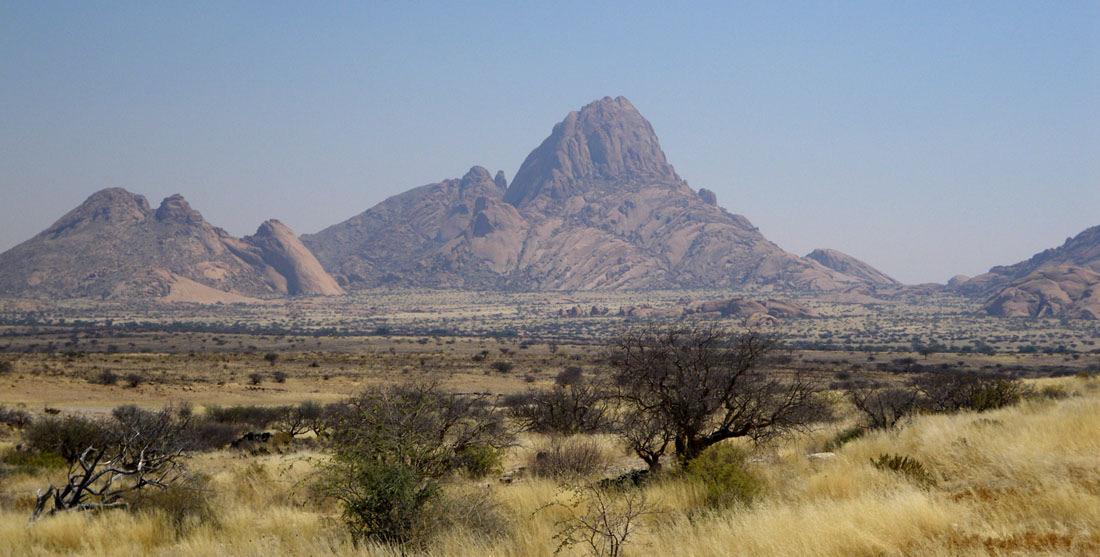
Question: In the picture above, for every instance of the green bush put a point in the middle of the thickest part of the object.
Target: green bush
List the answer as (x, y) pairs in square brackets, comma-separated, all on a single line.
[(389, 450), (720, 471), (67, 436), (907, 466), (478, 461)]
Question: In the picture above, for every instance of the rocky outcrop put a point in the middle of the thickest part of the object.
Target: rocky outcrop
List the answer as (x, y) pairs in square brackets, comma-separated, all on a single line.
[(844, 263), (115, 246), (1058, 282), (286, 254), (595, 206), (754, 312), (1051, 291)]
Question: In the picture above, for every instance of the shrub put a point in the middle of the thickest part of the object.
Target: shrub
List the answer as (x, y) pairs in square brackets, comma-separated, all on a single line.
[(389, 449), (502, 367), (569, 376), (601, 520), (479, 461), (185, 504), (954, 392), (271, 357), (568, 409), (279, 376), (850, 434), (567, 457), (105, 377), (255, 417), (255, 378), (14, 417), (67, 436), (1053, 392), (883, 407), (907, 466), (720, 472), (133, 379), (6, 366)]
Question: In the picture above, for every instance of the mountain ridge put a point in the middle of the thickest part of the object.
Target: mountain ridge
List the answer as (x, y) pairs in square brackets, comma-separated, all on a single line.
[(114, 245)]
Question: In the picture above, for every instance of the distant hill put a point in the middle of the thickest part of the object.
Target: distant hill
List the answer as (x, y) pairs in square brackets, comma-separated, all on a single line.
[(595, 206), (114, 245), (1062, 281)]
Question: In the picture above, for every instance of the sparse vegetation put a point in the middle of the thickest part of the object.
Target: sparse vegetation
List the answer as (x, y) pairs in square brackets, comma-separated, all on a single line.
[(1015, 478)]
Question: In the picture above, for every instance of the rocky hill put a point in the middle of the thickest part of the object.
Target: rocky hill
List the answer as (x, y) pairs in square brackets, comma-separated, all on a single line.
[(595, 206), (1062, 281), (116, 246), (844, 263)]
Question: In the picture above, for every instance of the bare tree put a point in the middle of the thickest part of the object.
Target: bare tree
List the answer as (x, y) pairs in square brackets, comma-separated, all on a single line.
[(882, 407), (699, 384), (141, 449), (602, 520), (576, 406)]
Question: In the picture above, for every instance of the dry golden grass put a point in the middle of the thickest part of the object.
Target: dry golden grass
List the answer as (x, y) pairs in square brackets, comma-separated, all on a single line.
[(1023, 480)]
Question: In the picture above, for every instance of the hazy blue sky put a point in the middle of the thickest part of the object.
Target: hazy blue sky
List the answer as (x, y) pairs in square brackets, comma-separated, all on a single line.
[(927, 139)]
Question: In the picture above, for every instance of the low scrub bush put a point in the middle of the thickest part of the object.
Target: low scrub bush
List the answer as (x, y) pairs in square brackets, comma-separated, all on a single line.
[(720, 471), (256, 417), (105, 377), (842, 438), (907, 466), (185, 503), (479, 461), (67, 436), (567, 457), (14, 417), (955, 392)]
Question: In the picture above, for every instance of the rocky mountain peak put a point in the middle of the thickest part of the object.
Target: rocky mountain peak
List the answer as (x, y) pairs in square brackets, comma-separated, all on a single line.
[(607, 141), (112, 206), (175, 208), (284, 252), (476, 175)]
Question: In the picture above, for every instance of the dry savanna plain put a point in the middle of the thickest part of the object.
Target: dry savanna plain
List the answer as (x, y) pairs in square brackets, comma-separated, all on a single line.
[(1018, 478)]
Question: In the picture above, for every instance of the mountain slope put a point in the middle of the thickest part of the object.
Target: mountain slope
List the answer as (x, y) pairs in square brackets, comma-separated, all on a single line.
[(114, 245), (844, 263), (1062, 281), (595, 206)]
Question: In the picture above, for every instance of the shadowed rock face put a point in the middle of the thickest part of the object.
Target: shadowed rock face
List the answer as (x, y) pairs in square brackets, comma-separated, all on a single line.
[(115, 246), (595, 206)]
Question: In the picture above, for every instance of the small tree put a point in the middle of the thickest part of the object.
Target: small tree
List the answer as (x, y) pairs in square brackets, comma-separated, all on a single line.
[(576, 407), (271, 357), (882, 407), (389, 449), (699, 384)]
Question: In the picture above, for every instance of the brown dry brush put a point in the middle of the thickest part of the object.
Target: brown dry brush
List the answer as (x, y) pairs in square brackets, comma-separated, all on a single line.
[(139, 449)]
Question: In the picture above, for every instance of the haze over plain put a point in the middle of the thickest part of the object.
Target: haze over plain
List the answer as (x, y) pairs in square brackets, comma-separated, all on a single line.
[(926, 140)]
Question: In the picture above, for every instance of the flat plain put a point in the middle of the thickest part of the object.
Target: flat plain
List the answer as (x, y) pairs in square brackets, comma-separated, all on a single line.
[(1023, 479)]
